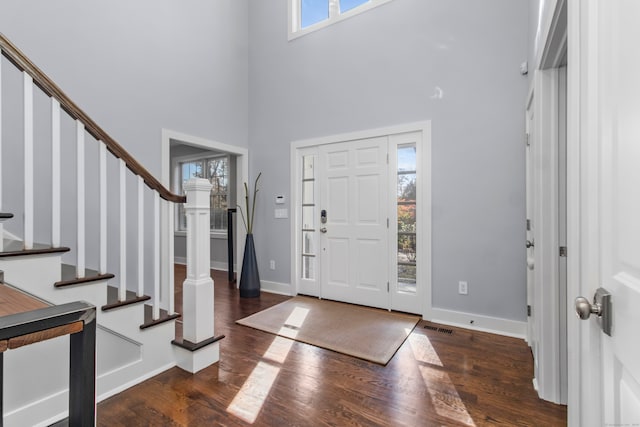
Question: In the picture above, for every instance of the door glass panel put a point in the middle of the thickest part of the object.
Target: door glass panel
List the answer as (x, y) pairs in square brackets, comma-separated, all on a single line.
[(308, 243), (307, 192), (308, 267), (406, 205), (308, 231)]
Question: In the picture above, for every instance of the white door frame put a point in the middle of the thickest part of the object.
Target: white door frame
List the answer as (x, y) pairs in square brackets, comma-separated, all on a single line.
[(546, 309), (167, 223), (423, 154)]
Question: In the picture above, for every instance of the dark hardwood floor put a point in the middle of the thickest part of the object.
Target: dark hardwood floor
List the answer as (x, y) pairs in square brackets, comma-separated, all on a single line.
[(435, 379)]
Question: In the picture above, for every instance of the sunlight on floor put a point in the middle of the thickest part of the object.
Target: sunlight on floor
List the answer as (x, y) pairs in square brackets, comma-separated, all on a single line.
[(278, 350), (444, 396), (249, 400), (423, 351), (247, 404)]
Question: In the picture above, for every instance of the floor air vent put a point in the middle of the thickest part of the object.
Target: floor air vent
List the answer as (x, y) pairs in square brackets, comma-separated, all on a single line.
[(441, 330)]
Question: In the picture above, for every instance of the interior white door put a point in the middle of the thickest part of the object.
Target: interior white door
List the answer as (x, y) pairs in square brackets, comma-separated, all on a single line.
[(353, 224), (610, 208)]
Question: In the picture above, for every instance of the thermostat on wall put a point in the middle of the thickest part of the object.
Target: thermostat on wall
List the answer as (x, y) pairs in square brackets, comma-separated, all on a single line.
[(280, 200)]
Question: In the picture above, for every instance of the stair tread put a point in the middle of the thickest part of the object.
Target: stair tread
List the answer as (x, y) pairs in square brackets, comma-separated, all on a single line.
[(164, 317), (16, 248), (113, 301), (191, 346), (69, 278)]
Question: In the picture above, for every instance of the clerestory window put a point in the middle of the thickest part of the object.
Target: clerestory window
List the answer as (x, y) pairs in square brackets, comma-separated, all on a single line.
[(306, 16)]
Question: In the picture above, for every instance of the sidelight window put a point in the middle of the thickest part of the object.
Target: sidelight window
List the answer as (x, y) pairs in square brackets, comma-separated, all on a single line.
[(406, 209)]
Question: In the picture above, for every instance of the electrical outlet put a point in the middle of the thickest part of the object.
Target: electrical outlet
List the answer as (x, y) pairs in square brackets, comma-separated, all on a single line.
[(463, 288), (272, 264)]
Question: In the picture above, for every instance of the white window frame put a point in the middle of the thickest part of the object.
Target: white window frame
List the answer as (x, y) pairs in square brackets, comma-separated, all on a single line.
[(295, 16), (177, 188)]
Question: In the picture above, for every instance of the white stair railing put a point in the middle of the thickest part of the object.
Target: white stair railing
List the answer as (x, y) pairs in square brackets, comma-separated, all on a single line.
[(87, 133)]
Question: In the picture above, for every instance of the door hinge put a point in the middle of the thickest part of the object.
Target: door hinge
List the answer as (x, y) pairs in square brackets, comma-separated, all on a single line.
[(528, 311), (387, 158), (387, 287), (387, 222), (528, 224), (563, 251), (526, 140)]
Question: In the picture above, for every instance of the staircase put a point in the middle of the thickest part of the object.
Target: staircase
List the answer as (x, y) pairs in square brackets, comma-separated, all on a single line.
[(98, 247)]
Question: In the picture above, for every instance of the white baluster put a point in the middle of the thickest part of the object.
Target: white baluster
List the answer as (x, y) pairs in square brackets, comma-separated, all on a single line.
[(103, 207), (197, 290), (140, 236), (122, 291), (28, 161), (156, 255), (1, 225), (170, 258), (55, 173), (80, 263)]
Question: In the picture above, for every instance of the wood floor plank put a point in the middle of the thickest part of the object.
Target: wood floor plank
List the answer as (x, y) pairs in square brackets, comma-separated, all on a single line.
[(458, 379)]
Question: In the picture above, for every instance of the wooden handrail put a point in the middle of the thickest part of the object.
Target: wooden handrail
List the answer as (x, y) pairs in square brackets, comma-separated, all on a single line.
[(20, 60)]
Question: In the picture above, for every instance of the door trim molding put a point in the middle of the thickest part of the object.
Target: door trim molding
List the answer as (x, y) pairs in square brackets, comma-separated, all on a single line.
[(242, 176), (424, 207)]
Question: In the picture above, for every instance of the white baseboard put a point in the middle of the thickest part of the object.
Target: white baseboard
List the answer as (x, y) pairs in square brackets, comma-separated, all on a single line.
[(276, 288), (477, 322), (215, 265)]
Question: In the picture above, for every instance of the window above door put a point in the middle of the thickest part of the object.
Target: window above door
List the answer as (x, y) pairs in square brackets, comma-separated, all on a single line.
[(306, 16)]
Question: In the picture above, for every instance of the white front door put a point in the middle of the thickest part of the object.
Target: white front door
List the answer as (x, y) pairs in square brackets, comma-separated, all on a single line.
[(608, 237), (354, 232)]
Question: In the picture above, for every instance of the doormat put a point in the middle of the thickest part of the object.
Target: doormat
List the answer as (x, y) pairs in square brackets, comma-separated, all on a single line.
[(367, 333)]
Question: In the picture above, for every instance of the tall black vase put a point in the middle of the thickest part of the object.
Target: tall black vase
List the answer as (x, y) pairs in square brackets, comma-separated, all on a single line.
[(249, 277)]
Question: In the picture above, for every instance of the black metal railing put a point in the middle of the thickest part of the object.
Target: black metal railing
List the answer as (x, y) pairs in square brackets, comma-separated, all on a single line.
[(32, 326)]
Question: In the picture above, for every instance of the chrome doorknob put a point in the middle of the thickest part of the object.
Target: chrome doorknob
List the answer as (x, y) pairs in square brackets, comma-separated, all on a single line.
[(323, 230), (529, 244), (584, 308)]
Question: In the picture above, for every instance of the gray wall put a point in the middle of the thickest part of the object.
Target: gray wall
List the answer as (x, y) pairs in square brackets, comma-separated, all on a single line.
[(379, 69)]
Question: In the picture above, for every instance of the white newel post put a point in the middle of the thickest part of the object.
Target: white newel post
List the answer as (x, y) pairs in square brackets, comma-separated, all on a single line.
[(197, 289)]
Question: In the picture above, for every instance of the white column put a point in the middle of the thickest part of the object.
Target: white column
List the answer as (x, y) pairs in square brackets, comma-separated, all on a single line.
[(80, 265), (55, 173), (28, 161), (197, 290)]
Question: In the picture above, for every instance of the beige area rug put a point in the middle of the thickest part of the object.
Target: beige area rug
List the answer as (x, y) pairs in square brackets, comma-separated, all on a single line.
[(367, 333)]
